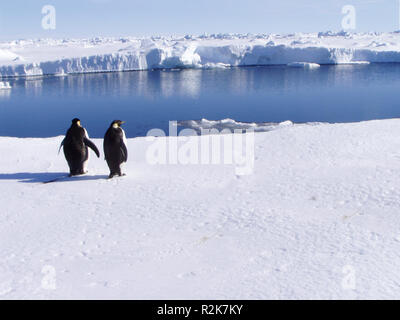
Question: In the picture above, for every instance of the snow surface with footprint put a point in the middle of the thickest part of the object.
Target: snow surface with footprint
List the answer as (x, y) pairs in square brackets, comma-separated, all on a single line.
[(67, 56), (323, 200)]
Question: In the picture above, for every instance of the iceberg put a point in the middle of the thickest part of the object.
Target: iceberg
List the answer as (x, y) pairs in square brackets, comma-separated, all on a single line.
[(305, 65), (69, 56), (4, 85)]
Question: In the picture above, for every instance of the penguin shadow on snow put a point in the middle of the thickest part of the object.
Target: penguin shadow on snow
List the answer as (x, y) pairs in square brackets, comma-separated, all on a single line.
[(47, 177)]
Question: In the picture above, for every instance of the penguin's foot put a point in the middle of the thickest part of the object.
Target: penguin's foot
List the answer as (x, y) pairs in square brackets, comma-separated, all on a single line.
[(78, 173), (112, 175)]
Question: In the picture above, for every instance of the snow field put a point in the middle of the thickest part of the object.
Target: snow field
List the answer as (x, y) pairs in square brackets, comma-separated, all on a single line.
[(318, 218)]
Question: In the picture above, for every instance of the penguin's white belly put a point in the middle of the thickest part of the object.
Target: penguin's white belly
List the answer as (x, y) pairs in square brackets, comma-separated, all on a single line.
[(124, 140)]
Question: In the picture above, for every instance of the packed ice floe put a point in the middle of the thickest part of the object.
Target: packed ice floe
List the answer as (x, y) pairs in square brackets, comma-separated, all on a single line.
[(68, 56), (205, 126)]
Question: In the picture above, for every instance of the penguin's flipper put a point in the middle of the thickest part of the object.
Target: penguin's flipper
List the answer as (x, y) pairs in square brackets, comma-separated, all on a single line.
[(62, 143), (124, 151), (92, 146)]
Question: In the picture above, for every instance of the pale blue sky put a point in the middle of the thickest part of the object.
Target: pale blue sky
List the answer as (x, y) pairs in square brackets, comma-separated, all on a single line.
[(88, 18)]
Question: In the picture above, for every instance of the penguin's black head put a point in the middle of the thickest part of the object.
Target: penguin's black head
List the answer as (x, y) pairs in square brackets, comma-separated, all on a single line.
[(117, 123), (76, 122)]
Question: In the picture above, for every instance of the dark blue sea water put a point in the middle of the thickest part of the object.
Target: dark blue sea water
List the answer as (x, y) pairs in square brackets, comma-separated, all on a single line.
[(44, 107)]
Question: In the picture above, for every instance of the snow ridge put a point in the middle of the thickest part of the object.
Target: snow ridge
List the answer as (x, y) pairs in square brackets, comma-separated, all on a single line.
[(68, 56)]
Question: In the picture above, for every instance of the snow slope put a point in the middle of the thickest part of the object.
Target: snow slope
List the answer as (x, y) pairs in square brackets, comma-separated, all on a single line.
[(49, 56), (319, 218)]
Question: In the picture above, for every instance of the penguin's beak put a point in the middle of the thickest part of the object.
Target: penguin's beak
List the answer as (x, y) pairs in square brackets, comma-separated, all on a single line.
[(122, 122)]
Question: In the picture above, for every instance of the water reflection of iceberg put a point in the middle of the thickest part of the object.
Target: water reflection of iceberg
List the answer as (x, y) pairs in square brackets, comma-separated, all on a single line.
[(181, 83), (5, 94), (148, 84), (34, 86)]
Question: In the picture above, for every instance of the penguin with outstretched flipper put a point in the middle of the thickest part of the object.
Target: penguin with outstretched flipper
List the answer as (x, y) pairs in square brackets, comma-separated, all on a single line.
[(115, 149), (76, 144)]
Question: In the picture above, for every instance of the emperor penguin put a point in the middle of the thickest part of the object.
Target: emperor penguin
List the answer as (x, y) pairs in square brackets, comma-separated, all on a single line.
[(115, 149), (76, 143)]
